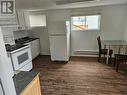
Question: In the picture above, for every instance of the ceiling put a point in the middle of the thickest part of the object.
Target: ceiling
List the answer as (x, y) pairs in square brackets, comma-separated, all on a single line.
[(51, 4)]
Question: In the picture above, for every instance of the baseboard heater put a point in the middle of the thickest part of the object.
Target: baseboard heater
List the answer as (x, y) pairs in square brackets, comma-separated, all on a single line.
[(86, 52)]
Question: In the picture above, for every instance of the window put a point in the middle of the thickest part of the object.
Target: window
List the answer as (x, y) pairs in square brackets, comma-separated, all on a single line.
[(37, 20), (91, 22)]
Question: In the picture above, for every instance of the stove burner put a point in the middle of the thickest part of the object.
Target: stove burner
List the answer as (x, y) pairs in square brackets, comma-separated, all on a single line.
[(10, 48)]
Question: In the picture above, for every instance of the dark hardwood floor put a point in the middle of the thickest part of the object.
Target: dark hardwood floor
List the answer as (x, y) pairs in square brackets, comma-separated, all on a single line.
[(80, 76)]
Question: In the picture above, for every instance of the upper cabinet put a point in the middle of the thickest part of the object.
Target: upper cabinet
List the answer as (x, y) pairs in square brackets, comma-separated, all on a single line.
[(22, 19), (27, 20), (8, 20)]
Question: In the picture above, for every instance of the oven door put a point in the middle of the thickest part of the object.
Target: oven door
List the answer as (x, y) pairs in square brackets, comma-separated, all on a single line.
[(21, 58)]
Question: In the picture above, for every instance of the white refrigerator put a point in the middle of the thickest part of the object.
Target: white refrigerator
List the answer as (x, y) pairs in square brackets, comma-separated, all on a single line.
[(59, 36), (6, 71)]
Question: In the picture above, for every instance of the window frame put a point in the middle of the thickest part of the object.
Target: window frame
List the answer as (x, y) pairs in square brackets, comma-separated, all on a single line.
[(99, 21), (39, 25)]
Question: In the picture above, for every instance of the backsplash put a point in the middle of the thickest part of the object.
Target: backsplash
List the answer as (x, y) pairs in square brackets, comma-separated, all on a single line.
[(8, 34), (9, 39), (20, 34), (12, 33)]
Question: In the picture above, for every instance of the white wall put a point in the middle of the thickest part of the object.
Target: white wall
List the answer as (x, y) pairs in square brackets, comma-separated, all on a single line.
[(113, 22), (8, 34), (57, 15), (112, 26), (20, 34), (42, 33), (125, 35)]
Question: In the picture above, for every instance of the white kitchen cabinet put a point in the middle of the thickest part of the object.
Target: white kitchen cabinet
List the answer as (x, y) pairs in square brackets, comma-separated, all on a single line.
[(8, 19), (22, 19), (35, 48), (27, 20)]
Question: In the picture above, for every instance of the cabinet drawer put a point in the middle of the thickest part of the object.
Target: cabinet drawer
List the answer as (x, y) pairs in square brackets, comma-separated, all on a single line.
[(35, 42)]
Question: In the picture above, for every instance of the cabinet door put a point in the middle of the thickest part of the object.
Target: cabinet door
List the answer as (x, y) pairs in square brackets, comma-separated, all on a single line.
[(33, 51), (8, 21), (27, 21), (35, 48), (58, 48), (21, 19), (33, 88)]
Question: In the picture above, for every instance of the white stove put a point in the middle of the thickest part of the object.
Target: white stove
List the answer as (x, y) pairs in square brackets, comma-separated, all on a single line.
[(20, 57)]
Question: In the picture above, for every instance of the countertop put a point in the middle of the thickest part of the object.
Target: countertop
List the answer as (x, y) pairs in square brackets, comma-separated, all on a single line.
[(22, 80), (31, 39), (25, 40)]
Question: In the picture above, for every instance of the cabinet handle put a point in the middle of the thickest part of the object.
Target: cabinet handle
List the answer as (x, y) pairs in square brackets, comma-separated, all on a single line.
[(19, 27)]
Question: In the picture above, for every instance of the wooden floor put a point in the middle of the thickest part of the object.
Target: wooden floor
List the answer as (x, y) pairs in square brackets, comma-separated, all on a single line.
[(80, 76)]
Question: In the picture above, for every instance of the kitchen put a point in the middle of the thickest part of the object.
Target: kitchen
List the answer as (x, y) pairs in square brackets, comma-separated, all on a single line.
[(22, 46), (38, 34), (17, 51)]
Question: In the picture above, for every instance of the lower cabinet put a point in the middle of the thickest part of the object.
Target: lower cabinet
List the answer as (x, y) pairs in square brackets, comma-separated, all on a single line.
[(33, 88), (35, 48)]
